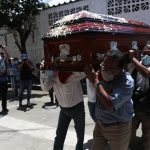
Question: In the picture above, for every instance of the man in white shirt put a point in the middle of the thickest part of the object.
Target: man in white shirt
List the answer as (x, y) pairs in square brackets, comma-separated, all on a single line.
[(91, 93), (113, 111), (69, 93)]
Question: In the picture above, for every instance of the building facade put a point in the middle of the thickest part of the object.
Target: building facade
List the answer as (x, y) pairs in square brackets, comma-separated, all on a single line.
[(129, 9)]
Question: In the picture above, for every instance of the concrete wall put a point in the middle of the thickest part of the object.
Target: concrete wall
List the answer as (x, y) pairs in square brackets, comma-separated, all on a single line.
[(98, 6), (140, 16)]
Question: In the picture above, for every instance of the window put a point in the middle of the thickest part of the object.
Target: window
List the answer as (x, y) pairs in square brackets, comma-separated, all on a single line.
[(50, 16), (126, 6), (145, 6), (61, 14), (53, 17), (78, 9), (118, 2), (66, 12), (118, 10), (111, 11), (134, 1), (50, 22), (110, 3), (135, 7), (72, 11), (127, 1), (86, 7)]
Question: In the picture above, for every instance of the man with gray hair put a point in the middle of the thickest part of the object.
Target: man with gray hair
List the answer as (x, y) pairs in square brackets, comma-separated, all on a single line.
[(113, 110)]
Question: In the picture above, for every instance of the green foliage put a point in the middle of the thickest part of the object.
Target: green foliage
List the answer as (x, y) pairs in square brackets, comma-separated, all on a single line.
[(17, 16), (15, 13)]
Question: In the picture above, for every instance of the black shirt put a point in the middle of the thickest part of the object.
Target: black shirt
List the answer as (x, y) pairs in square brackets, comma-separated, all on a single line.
[(25, 73)]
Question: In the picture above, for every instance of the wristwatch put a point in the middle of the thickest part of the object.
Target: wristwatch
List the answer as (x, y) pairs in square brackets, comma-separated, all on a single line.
[(96, 85)]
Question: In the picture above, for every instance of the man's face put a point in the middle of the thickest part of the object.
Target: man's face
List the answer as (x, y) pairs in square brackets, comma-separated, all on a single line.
[(109, 68), (110, 65), (1, 56)]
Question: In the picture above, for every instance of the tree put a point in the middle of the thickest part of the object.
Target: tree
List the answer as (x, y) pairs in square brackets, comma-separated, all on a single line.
[(17, 15)]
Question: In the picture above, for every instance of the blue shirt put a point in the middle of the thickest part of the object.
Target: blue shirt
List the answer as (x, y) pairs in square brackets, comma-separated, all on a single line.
[(120, 91), (16, 71), (4, 75)]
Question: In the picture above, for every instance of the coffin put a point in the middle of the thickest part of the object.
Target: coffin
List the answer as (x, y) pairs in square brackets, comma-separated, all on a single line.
[(83, 38)]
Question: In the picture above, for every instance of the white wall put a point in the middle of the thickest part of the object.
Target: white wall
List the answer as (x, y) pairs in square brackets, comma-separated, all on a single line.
[(98, 6), (139, 16)]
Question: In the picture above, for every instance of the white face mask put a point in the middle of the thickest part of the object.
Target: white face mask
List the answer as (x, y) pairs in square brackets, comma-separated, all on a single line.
[(48, 73), (146, 60), (107, 76)]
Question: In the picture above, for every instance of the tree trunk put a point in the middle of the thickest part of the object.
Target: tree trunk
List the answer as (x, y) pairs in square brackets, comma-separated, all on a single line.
[(23, 46), (20, 41), (21, 36)]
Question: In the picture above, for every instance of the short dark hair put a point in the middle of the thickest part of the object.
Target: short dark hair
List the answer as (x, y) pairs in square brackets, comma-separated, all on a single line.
[(15, 58), (118, 56)]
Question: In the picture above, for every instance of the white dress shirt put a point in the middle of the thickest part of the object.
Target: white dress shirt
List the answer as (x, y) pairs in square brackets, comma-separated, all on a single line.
[(68, 94), (91, 91)]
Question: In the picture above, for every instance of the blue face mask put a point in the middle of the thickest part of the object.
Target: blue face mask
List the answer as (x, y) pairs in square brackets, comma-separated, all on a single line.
[(146, 60)]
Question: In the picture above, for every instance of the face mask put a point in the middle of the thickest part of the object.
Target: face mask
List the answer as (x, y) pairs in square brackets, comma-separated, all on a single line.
[(48, 73), (107, 76), (146, 60), (1, 58)]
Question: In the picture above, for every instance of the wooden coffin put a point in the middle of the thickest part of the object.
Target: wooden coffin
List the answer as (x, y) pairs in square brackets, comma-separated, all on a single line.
[(89, 37)]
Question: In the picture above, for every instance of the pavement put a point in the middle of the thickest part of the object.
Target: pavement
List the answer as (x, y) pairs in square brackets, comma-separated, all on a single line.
[(34, 127)]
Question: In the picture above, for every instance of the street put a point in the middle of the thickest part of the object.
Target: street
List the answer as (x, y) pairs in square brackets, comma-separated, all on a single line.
[(33, 128)]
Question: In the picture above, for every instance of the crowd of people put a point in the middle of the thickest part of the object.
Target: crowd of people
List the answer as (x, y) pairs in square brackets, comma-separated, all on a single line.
[(118, 98), (19, 73)]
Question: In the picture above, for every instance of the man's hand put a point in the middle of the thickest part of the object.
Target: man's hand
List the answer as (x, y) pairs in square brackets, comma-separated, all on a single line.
[(132, 54), (41, 66), (91, 74)]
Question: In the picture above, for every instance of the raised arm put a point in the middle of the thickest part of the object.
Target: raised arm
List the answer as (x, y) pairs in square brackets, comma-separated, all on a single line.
[(6, 54), (140, 67)]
